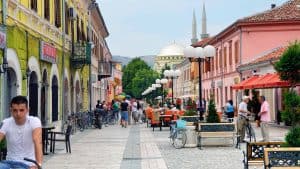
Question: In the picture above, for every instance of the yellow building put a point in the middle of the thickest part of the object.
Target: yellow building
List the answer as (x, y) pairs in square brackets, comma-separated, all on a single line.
[(46, 51)]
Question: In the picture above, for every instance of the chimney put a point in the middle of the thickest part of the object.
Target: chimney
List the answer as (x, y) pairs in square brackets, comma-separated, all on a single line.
[(273, 6)]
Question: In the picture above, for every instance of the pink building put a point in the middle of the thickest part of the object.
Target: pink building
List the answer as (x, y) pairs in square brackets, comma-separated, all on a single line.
[(242, 42)]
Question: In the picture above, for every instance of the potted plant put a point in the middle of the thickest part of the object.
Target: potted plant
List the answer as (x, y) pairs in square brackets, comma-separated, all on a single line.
[(3, 150), (190, 115), (212, 117)]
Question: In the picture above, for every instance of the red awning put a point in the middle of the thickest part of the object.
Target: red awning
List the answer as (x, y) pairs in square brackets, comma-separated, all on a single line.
[(260, 82), (241, 84)]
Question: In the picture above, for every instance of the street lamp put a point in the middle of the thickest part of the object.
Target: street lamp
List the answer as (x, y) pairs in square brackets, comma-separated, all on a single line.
[(172, 74), (199, 55), (162, 82)]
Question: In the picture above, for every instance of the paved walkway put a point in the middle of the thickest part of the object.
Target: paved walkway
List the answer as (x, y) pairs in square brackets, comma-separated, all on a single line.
[(137, 147)]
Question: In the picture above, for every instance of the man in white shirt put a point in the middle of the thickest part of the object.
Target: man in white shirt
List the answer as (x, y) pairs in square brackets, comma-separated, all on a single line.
[(242, 117), (23, 135)]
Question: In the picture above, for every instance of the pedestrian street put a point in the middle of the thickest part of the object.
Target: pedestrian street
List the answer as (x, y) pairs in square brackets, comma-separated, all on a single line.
[(138, 147)]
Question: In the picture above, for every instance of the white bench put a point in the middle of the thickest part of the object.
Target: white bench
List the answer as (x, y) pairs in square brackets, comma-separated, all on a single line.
[(216, 130)]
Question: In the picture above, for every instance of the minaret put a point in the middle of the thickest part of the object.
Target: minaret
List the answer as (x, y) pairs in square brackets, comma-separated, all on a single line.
[(194, 29), (204, 32)]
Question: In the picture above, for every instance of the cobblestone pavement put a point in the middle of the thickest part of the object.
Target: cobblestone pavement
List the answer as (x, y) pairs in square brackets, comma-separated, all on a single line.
[(137, 147)]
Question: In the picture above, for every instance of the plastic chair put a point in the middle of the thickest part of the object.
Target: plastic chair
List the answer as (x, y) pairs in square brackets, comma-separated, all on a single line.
[(65, 139)]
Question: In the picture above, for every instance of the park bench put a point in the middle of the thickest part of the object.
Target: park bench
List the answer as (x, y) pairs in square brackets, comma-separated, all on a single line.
[(216, 130), (282, 158), (255, 152)]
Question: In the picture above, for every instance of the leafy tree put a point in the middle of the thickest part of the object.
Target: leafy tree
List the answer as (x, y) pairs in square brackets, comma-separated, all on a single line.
[(129, 72), (212, 112), (143, 79), (166, 67), (288, 66), (291, 113)]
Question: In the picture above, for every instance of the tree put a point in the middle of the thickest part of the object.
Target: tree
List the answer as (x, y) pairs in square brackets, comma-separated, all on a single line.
[(288, 67), (129, 73), (143, 79), (212, 112)]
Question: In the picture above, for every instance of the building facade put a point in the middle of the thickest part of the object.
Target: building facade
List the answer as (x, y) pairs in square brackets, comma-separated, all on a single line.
[(243, 41), (168, 56), (46, 49)]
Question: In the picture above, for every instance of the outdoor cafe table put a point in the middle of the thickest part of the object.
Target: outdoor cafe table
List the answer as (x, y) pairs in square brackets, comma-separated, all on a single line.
[(45, 131), (163, 117)]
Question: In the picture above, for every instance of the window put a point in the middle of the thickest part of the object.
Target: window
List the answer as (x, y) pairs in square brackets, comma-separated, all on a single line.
[(57, 11), (67, 19), (225, 57), (33, 5), (47, 9), (217, 59), (236, 52), (78, 33), (82, 32), (220, 59), (230, 53)]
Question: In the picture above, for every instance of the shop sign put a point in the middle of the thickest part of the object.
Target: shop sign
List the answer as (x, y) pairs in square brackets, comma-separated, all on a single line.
[(48, 52), (2, 40)]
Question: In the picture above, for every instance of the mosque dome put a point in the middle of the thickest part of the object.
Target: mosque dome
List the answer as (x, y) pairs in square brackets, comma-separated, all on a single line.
[(172, 50)]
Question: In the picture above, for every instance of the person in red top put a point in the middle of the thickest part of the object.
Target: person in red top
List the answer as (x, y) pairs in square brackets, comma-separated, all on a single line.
[(265, 117)]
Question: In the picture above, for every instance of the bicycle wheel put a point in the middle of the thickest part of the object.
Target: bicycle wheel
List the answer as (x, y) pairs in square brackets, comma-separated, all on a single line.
[(179, 139), (252, 134)]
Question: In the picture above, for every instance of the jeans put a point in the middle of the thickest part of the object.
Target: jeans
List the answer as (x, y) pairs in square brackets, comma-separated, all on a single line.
[(7, 164)]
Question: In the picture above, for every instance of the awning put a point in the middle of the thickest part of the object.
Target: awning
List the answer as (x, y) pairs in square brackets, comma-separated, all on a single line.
[(241, 84), (270, 80)]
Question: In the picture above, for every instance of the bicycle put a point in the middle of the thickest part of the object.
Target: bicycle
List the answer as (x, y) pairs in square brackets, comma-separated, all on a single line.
[(177, 136), (250, 131), (34, 162)]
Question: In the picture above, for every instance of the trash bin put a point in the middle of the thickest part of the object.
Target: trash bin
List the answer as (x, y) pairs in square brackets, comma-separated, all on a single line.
[(191, 136)]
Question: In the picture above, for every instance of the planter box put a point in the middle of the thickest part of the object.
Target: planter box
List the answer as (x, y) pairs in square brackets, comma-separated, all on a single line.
[(191, 120)]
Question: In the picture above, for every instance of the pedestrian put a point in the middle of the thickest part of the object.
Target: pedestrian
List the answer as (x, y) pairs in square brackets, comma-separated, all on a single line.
[(265, 118), (229, 110), (134, 111), (115, 109), (124, 113), (23, 135), (243, 117)]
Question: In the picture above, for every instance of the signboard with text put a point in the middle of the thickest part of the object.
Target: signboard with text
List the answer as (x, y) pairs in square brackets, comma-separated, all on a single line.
[(48, 52)]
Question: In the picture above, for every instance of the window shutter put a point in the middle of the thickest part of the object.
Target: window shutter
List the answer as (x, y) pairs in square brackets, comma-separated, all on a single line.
[(57, 14)]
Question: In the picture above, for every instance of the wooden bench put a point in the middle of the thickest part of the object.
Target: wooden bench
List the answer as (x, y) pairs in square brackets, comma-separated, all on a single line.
[(216, 130), (255, 152), (282, 158)]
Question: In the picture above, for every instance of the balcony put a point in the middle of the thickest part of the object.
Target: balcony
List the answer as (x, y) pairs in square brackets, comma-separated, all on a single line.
[(104, 69), (81, 55)]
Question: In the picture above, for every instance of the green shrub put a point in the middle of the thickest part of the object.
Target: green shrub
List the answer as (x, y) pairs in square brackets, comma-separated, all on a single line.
[(293, 137), (291, 113), (212, 113), (191, 112)]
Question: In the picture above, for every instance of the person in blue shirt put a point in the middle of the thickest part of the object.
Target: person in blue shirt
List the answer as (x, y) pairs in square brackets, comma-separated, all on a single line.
[(229, 109)]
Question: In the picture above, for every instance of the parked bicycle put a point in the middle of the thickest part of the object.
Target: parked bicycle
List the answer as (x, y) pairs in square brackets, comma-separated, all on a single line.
[(177, 135), (250, 131)]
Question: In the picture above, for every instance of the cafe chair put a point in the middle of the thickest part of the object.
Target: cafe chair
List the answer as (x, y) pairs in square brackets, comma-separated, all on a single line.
[(65, 137)]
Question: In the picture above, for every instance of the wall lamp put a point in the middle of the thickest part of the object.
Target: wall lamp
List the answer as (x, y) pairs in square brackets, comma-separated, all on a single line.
[(4, 66)]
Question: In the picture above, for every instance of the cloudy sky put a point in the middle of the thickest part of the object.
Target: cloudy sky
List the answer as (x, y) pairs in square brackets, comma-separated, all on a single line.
[(143, 27)]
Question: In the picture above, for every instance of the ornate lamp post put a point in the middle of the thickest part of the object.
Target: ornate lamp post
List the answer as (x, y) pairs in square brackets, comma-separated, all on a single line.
[(172, 74), (162, 82), (199, 55)]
